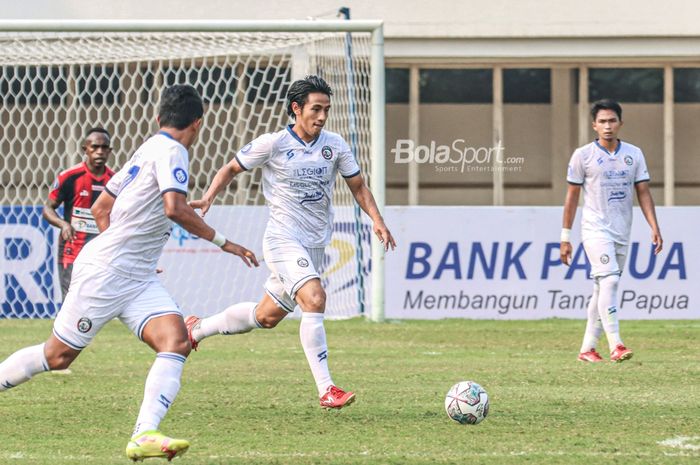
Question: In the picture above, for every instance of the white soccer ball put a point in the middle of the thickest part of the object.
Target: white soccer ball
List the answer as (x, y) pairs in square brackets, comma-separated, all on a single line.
[(467, 403)]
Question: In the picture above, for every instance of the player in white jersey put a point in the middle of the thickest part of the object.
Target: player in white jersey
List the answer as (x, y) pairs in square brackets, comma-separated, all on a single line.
[(115, 274), (299, 166), (609, 171)]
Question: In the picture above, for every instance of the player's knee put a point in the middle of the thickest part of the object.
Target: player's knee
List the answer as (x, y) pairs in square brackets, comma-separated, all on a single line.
[(182, 347), (268, 321), (609, 282), (315, 302), (59, 360)]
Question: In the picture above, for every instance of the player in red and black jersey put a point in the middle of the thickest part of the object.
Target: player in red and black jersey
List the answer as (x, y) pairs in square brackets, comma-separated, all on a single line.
[(77, 188)]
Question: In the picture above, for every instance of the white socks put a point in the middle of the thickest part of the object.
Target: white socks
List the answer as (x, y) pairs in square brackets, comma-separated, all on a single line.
[(236, 319), (607, 308), (162, 386), (313, 340), (21, 366), (594, 328)]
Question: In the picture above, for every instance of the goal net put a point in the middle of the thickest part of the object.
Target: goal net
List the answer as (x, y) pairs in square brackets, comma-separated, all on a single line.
[(56, 85)]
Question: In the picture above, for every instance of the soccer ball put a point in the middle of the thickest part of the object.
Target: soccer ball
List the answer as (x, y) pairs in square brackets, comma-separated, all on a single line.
[(467, 403)]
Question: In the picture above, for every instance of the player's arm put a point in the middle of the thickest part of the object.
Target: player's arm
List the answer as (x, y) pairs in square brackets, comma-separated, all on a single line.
[(646, 203), (101, 210), (50, 215), (365, 199), (177, 209), (570, 205), (222, 179)]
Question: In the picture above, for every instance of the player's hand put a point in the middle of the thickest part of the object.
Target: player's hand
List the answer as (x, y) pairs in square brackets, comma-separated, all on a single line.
[(384, 235), (565, 250), (246, 255), (67, 232), (658, 241), (201, 204)]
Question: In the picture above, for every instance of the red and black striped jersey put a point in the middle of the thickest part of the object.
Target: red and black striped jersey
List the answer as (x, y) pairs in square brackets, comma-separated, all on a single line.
[(77, 189)]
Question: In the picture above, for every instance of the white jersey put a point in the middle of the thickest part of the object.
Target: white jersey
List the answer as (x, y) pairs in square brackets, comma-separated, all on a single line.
[(298, 181), (608, 181), (138, 228)]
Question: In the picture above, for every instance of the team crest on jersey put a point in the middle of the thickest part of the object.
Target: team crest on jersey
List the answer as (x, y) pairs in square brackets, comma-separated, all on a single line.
[(302, 262), (180, 175), (628, 160), (604, 259), (84, 325), (246, 148), (327, 152)]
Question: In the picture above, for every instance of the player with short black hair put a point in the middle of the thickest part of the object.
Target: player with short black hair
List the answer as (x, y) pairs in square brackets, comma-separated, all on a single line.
[(299, 167), (115, 275), (77, 188), (609, 171)]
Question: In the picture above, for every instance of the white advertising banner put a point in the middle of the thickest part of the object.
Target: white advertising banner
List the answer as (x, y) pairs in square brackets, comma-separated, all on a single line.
[(503, 263)]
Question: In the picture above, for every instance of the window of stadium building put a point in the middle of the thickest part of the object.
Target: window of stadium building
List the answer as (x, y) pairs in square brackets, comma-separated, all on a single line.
[(456, 86), (686, 85), (397, 85), (627, 85), (527, 85)]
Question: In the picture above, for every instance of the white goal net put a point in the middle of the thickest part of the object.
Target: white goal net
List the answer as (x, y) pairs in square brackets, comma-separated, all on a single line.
[(56, 85)]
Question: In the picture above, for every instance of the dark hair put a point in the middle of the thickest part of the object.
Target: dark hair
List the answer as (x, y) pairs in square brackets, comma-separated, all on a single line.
[(606, 104), (180, 106), (299, 91), (97, 129)]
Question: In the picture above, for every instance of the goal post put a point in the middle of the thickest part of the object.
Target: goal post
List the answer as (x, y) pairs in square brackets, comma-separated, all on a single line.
[(59, 78)]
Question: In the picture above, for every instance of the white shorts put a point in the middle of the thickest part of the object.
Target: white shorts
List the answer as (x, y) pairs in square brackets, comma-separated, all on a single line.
[(291, 266), (96, 296), (606, 257)]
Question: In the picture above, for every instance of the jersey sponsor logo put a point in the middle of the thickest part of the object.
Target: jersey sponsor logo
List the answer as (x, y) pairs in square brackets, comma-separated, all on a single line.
[(615, 174), (604, 259), (617, 195), (327, 152), (180, 175), (628, 160), (302, 262), (246, 148), (312, 196), (84, 325), (312, 171)]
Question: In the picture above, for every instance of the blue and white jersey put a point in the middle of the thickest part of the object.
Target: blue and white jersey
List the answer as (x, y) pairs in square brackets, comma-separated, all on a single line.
[(138, 228), (298, 181), (608, 181)]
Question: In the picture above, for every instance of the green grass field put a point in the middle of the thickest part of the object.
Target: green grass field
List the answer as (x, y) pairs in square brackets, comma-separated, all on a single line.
[(250, 398)]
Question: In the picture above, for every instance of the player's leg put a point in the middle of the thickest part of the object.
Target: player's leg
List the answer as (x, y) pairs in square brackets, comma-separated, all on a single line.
[(242, 317), (156, 319), (21, 366), (594, 328), (607, 260), (64, 275), (79, 320), (312, 300), (618, 351)]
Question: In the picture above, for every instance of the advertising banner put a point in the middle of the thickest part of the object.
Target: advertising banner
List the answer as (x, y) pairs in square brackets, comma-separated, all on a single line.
[(503, 263)]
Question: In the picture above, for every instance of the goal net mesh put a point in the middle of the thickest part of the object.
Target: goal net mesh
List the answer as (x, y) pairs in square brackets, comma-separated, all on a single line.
[(55, 86)]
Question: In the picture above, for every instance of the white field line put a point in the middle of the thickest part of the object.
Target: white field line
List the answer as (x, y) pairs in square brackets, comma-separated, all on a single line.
[(682, 442)]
